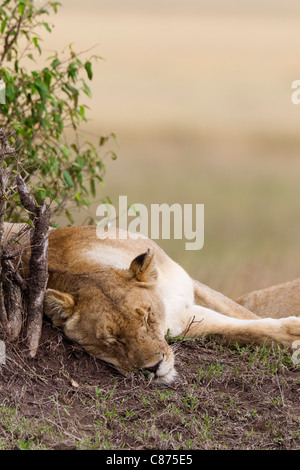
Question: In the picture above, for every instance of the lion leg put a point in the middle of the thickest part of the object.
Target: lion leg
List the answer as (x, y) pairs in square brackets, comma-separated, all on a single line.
[(209, 298), (203, 321), (279, 301)]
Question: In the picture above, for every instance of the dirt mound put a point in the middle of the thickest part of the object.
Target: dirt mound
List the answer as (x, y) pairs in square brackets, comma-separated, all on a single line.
[(223, 398)]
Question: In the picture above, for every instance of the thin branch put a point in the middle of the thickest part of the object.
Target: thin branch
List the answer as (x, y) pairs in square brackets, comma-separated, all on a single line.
[(27, 200), (8, 44)]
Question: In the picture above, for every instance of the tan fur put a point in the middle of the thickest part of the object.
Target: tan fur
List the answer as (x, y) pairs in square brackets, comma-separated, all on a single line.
[(282, 300), (119, 298)]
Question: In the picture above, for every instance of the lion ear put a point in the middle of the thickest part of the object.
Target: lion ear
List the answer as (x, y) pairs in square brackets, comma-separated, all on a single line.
[(144, 267), (58, 306)]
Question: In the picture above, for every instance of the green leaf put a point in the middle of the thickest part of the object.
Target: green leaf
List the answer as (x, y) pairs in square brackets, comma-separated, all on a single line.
[(114, 136), (100, 180), (47, 77), (103, 140), (3, 24), (72, 89), (86, 89), (47, 27), (55, 5), (69, 216), (88, 68), (30, 223), (21, 7), (80, 161), (41, 88), (40, 191), (72, 71), (67, 178), (10, 92), (55, 63), (65, 151), (36, 44), (93, 188), (82, 112), (8, 77)]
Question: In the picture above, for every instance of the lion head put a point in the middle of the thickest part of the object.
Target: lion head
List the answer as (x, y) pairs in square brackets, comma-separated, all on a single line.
[(115, 315)]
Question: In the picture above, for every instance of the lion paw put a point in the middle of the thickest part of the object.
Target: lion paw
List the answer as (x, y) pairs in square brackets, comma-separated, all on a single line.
[(291, 328)]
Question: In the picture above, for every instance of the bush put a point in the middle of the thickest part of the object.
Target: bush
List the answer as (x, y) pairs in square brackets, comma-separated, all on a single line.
[(41, 104)]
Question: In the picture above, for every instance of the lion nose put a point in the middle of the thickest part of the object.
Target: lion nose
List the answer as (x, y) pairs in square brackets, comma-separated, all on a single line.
[(153, 368)]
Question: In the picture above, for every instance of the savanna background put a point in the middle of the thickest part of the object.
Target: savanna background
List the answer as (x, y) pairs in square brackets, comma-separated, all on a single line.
[(199, 96), (198, 93)]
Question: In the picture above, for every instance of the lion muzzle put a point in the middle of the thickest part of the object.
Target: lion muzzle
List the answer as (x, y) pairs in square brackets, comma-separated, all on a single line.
[(163, 371)]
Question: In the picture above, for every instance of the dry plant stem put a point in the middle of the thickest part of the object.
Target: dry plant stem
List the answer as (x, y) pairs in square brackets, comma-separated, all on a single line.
[(5, 149), (38, 270), (14, 307)]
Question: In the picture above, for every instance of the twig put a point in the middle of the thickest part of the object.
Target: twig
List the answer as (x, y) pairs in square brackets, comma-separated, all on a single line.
[(189, 326), (8, 44)]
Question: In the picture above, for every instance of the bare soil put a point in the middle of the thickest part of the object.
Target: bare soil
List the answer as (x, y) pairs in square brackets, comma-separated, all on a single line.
[(224, 398)]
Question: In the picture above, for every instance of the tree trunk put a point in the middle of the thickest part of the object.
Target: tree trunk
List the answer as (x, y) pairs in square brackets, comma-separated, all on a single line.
[(12, 310), (38, 268)]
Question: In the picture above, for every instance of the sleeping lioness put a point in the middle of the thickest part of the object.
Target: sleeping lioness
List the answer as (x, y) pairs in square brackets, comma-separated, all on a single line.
[(119, 298)]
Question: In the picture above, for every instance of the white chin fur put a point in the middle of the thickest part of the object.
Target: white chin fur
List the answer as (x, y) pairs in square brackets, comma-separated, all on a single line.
[(165, 379)]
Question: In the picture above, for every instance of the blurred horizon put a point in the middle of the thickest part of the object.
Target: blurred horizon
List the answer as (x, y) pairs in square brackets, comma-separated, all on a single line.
[(199, 96), (211, 66)]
